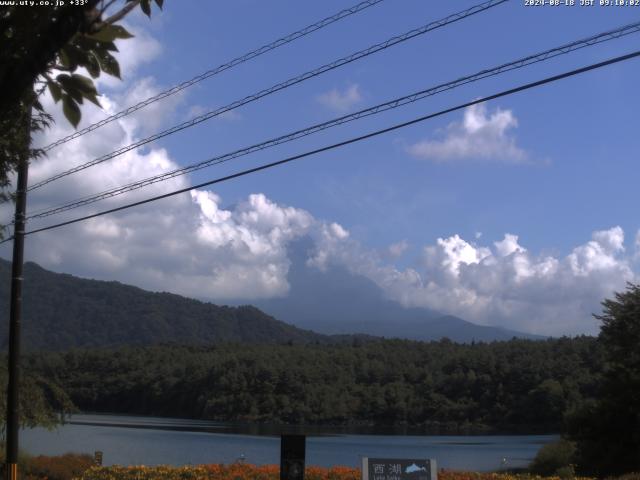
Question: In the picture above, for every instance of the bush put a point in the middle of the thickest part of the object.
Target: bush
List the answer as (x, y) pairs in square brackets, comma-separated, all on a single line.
[(554, 459)]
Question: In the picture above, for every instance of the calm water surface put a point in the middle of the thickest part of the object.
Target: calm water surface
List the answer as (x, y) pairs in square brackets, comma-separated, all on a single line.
[(128, 440)]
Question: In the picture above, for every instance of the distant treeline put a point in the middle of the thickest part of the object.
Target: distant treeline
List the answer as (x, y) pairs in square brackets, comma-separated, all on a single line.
[(514, 386)]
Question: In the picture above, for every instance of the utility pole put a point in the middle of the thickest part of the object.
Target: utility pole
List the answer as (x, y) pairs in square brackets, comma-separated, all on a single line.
[(13, 414)]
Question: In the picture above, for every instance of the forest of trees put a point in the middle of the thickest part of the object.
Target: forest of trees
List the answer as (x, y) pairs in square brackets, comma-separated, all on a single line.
[(516, 386)]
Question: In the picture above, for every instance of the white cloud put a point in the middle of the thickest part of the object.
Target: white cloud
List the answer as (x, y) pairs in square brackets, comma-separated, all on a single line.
[(341, 101), (505, 285), (133, 53), (450, 253), (396, 250), (508, 245), (478, 136), (191, 245), (187, 244)]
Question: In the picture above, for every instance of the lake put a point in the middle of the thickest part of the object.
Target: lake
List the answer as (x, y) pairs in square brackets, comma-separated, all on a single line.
[(130, 440)]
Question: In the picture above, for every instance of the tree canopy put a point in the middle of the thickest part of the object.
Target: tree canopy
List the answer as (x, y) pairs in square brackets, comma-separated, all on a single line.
[(517, 386), (46, 49), (607, 429)]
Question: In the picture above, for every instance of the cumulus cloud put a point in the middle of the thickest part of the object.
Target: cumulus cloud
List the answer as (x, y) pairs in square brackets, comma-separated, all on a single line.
[(396, 250), (508, 245), (505, 284), (187, 244), (341, 100), (478, 136), (191, 244)]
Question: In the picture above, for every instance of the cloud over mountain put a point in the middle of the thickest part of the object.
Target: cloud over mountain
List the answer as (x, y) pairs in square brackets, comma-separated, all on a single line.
[(505, 285), (193, 245)]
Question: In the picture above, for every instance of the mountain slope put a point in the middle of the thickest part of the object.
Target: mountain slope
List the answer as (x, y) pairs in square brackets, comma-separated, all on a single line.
[(338, 302), (62, 311)]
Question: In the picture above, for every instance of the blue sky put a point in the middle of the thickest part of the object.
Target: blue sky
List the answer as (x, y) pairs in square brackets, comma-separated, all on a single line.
[(585, 127), (418, 210)]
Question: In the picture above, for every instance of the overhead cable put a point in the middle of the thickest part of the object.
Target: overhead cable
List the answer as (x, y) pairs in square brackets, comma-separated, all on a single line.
[(389, 105), (281, 86), (219, 69), (345, 142)]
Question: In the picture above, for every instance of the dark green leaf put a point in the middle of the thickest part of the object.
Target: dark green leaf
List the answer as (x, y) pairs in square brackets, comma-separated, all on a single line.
[(71, 110), (88, 43), (75, 55), (93, 98), (86, 87), (64, 58), (92, 66), (159, 3), (56, 91), (109, 64), (109, 46), (122, 32), (84, 84), (108, 33), (70, 87), (145, 5), (38, 106)]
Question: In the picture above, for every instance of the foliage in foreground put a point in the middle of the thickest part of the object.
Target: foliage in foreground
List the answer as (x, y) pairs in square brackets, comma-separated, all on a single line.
[(266, 472), (607, 429), (42, 401), (554, 459)]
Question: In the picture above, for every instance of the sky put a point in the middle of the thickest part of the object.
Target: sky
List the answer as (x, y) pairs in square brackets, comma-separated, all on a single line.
[(519, 212)]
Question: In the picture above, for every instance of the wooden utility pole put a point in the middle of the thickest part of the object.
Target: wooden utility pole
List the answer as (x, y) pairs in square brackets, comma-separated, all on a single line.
[(13, 413)]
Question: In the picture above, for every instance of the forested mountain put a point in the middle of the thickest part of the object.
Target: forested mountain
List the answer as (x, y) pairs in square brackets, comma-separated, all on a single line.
[(62, 311), (516, 386), (337, 301)]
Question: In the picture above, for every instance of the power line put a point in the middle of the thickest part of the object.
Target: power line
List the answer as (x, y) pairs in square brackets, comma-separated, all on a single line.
[(281, 86), (219, 69), (346, 142), (392, 104)]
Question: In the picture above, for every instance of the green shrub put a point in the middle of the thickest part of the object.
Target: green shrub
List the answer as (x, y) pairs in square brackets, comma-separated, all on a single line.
[(554, 459)]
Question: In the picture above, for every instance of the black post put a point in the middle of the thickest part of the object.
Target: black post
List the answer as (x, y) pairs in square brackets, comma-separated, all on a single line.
[(13, 414), (292, 457)]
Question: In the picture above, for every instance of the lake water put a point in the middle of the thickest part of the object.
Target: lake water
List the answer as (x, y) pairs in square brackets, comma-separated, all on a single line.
[(129, 440)]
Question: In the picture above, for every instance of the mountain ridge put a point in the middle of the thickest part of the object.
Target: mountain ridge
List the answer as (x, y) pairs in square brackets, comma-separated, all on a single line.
[(337, 301), (62, 311)]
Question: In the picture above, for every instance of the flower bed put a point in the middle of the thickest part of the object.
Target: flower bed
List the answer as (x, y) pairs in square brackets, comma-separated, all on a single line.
[(266, 472)]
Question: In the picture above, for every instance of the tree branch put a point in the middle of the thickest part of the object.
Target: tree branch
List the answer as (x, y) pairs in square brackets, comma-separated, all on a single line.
[(122, 13)]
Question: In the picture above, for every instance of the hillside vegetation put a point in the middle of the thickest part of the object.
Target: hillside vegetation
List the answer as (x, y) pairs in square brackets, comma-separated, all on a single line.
[(62, 311), (520, 385)]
